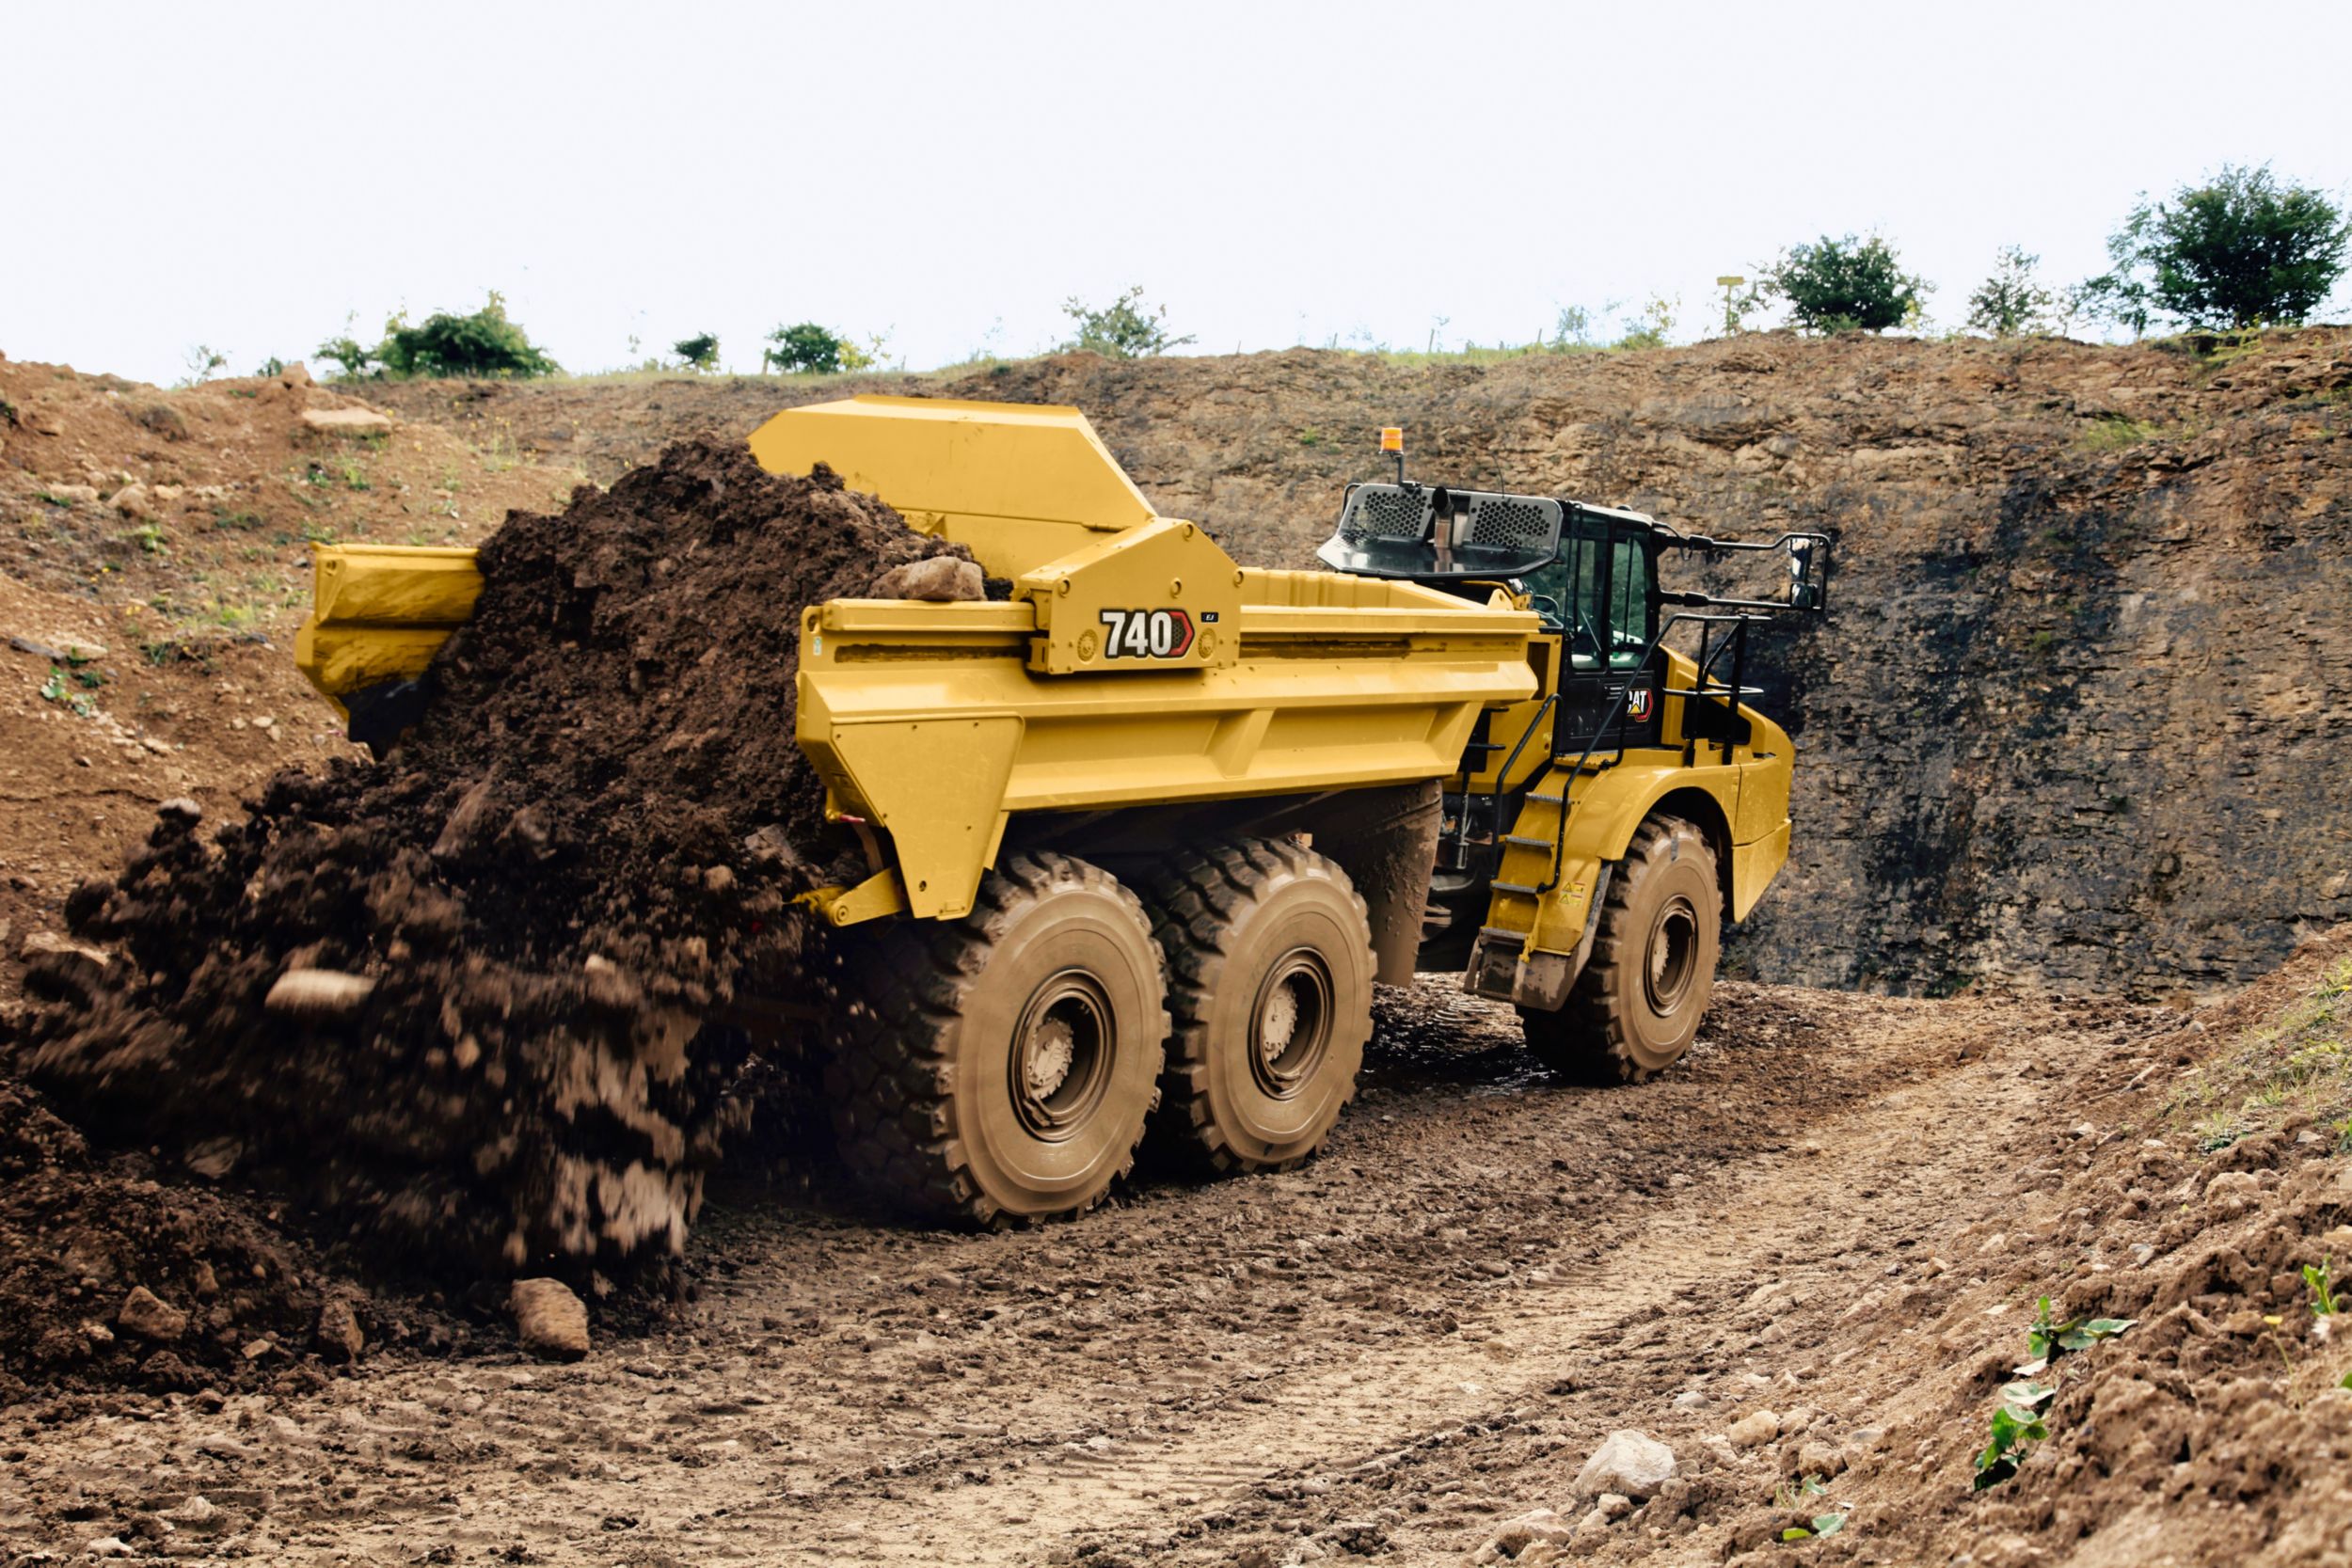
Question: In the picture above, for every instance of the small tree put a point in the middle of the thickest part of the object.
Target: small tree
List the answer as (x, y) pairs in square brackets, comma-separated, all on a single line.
[(1122, 329), (700, 351), (806, 349), (2241, 251), (2013, 301), (485, 345), (1849, 285), (203, 362)]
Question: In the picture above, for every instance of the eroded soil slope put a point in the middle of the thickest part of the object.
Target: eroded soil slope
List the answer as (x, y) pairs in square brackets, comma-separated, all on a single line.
[(2070, 722)]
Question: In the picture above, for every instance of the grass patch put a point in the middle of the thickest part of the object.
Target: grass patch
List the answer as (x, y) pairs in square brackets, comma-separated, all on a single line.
[(2114, 433), (2299, 1064)]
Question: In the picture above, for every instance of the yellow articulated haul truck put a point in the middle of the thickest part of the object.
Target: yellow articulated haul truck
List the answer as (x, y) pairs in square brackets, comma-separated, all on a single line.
[(1144, 834)]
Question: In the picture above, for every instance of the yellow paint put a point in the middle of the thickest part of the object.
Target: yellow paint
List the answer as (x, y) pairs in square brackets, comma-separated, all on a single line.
[(1019, 484), (879, 896)]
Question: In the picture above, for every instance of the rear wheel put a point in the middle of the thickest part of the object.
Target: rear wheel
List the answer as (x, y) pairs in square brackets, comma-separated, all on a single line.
[(1636, 1008), (1000, 1067), (1270, 974)]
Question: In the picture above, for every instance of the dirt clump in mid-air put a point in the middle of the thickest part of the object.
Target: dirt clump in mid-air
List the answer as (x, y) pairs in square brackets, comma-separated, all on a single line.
[(483, 999)]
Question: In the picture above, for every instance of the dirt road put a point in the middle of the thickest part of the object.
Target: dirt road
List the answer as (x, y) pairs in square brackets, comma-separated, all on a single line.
[(1420, 1334)]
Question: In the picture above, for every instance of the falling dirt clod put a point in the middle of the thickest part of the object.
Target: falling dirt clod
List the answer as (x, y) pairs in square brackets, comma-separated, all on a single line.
[(476, 998)]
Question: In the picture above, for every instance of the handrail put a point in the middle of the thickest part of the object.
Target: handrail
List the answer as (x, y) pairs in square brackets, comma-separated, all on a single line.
[(1560, 828), (1503, 774)]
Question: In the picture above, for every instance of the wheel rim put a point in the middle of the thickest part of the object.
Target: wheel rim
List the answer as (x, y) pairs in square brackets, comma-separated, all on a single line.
[(1290, 1025), (1060, 1062), (1673, 945)]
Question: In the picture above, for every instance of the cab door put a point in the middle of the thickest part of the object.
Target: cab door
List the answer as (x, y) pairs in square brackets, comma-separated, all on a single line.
[(1608, 607)]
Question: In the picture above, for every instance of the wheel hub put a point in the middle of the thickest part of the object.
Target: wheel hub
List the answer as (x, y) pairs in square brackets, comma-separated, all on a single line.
[(1290, 1027), (1673, 956), (1061, 1061)]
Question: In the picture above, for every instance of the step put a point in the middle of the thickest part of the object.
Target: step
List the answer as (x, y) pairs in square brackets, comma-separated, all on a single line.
[(1519, 888), (1525, 842)]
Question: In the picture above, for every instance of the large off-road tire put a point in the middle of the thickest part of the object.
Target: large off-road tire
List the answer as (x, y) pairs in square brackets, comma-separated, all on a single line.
[(1636, 1008), (1000, 1067), (1270, 971)]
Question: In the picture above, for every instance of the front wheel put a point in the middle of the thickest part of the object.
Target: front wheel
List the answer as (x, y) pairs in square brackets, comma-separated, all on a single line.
[(1636, 1008)]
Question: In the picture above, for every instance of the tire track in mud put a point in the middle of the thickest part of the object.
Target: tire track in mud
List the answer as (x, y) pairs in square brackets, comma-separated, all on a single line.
[(1913, 1140)]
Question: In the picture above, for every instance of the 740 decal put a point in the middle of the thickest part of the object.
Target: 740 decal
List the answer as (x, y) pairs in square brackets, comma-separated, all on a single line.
[(1145, 633)]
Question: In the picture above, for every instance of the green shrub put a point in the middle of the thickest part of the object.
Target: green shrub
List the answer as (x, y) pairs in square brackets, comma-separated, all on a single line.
[(485, 346), (809, 349), (1122, 329), (700, 351), (1849, 285), (348, 352), (2240, 252), (2013, 302), (1648, 328)]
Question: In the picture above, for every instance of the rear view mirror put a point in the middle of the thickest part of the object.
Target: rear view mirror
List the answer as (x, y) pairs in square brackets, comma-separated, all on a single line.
[(1803, 593)]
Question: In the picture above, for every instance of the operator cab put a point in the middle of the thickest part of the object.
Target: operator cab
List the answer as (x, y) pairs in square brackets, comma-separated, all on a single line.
[(1588, 572)]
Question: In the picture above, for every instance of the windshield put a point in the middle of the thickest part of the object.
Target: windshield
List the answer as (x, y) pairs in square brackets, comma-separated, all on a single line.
[(1597, 591)]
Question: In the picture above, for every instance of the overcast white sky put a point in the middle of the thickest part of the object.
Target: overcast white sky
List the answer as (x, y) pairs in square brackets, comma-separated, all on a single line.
[(248, 174)]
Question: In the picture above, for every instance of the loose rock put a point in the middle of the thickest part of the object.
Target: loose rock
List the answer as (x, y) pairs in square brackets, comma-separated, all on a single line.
[(1631, 1463), (148, 1316), (1754, 1429), (549, 1319), (941, 578)]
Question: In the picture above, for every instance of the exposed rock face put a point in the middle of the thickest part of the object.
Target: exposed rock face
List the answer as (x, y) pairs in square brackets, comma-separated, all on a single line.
[(2068, 720)]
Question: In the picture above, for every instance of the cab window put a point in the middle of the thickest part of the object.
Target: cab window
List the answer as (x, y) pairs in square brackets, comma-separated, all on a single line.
[(1595, 593)]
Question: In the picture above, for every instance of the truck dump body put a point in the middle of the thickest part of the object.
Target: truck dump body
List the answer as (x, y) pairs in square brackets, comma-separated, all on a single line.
[(935, 722), (926, 720)]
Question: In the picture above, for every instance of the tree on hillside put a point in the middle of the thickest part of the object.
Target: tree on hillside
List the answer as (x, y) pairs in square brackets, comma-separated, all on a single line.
[(1122, 329), (808, 349), (2013, 301), (1849, 285), (485, 345), (700, 351), (2240, 252)]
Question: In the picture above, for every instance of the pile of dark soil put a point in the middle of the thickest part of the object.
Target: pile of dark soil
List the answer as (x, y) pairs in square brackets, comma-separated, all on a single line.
[(520, 947), (84, 1233)]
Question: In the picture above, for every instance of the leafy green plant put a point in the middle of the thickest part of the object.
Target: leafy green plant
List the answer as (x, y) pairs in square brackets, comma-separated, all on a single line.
[(349, 353), (1824, 1524), (2011, 303), (2017, 1425), (203, 362), (700, 351), (150, 539), (808, 349), (1647, 329), (2324, 1302), (56, 690), (485, 346), (1124, 329), (1845, 285), (2046, 1340), (2240, 252)]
